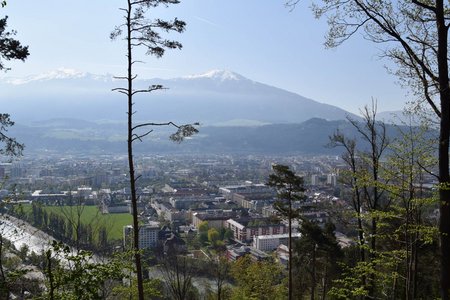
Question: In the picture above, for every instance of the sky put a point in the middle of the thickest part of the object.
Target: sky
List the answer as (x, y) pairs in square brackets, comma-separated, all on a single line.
[(262, 40)]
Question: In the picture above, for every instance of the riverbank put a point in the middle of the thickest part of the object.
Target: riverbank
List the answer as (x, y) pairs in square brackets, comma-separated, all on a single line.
[(20, 233)]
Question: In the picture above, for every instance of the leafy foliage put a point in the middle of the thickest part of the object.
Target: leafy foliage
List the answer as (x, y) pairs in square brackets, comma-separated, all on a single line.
[(10, 48), (262, 280), (78, 276), (11, 146), (290, 188), (316, 258)]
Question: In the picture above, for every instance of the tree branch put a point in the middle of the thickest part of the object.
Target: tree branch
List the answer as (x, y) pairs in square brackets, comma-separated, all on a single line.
[(423, 5)]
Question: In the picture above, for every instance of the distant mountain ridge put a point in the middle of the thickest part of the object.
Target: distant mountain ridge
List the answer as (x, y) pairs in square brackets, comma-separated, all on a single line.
[(215, 97), (72, 136)]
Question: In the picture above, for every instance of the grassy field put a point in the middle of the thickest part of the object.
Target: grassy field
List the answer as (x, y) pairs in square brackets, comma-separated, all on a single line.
[(91, 215)]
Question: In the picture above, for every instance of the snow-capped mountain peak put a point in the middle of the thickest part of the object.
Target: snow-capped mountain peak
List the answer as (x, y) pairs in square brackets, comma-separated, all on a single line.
[(61, 73), (221, 75)]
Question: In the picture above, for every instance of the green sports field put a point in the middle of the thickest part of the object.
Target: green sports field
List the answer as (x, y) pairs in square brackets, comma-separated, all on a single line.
[(90, 215)]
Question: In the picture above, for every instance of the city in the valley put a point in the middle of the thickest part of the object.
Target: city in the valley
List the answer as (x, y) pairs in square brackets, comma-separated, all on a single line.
[(178, 194)]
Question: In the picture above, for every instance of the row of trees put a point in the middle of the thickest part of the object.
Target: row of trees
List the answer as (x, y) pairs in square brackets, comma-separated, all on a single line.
[(68, 227)]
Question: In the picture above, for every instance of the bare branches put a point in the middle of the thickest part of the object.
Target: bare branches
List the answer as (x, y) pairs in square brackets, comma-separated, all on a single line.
[(417, 32), (11, 146), (424, 5), (291, 4), (150, 89), (139, 137), (182, 132), (408, 28)]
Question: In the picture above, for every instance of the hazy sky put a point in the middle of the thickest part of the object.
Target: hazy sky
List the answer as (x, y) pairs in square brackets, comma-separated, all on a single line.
[(259, 39)]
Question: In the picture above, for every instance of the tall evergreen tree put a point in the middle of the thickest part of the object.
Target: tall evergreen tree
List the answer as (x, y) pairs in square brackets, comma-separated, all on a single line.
[(142, 32), (290, 189)]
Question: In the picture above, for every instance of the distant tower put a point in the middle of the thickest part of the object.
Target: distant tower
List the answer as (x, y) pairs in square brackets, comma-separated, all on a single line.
[(314, 179), (332, 179)]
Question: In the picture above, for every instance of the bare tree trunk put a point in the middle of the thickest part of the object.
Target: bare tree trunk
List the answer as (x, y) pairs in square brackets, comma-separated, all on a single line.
[(137, 254), (143, 32), (444, 176), (325, 279), (290, 249), (313, 273), (4, 287), (50, 274)]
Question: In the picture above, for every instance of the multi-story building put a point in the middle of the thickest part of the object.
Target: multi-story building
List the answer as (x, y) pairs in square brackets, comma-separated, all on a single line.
[(244, 229), (271, 242), (148, 235), (250, 196), (332, 179), (234, 253), (314, 179), (216, 218)]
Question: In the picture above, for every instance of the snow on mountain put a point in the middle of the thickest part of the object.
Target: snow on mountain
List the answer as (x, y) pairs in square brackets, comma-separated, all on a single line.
[(67, 73), (221, 75), (61, 73), (214, 97)]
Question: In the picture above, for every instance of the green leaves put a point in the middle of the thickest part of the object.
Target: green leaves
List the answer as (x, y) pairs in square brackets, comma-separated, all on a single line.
[(289, 187), (260, 280), (183, 132), (10, 48), (80, 276), (11, 146)]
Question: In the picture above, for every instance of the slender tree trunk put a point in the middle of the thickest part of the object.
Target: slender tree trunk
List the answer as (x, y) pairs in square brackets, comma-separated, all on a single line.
[(414, 276), (50, 275), (444, 178), (137, 255), (325, 279), (290, 249), (362, 255), (409, 257), (4, 289), (394, 285), (313, 274)]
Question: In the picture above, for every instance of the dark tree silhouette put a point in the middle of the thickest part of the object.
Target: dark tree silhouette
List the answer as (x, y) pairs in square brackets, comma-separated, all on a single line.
[(290, 188), (11, 146), (141, 32), (10, 49)]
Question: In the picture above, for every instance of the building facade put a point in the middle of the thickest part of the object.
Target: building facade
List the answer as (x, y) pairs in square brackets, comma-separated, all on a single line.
[(148, 235), (271, 242), (245, 230)]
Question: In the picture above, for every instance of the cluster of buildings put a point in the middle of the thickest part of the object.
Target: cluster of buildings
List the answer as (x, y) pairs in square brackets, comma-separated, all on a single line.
[(183, 192), (245, 211)]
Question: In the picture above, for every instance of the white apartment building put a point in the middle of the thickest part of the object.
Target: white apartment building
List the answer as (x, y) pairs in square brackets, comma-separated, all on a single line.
[(148, 235), (271, 242)]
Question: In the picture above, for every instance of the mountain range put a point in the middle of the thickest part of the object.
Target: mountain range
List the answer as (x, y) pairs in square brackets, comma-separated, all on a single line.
[(72, 112), (215, 98)]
